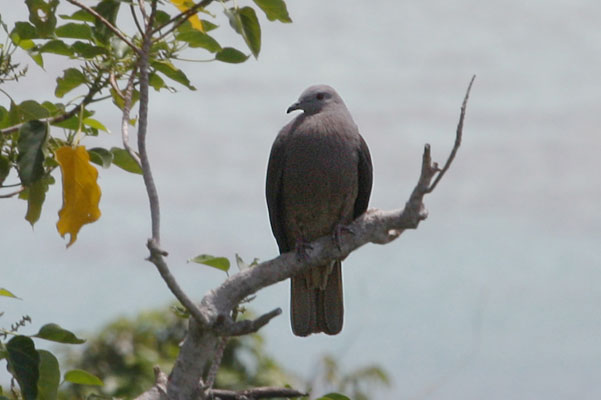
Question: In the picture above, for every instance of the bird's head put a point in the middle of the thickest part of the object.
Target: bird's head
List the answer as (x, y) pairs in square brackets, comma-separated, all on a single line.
[(315, 99)]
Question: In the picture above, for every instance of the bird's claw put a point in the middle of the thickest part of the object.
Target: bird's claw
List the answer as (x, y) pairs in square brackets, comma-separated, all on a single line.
[(301, 249)]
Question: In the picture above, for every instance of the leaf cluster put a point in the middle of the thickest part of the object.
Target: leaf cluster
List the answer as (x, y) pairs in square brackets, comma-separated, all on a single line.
[(37, 371), (103, 55)]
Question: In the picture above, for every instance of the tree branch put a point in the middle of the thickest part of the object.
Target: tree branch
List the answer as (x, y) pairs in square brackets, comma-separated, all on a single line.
[(151, 189), (255, 393), (457, 137), (239, 328), (129, 90), (106, 23), (156, 254)]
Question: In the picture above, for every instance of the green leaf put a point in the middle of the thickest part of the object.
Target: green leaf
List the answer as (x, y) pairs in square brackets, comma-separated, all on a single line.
[(31, 109), (79, 15), (23, 31), (160, 18), (7, 293), (119, 102), (244, 21), (156, 81), (71, 79), (42, 15), (56, 47), (251, 30), (4, 168), (231, 55), (74, 30), (32, 137), (198, 39), (109, 10), (100, 156), (71, 123), (55, 333), (50, 376), (87, 50), (23, 362), (123, 160), (334, 396), (172, 72), (82, 377), (221, 263), (208, 25), (3, 117), (36, 194), (37, 57), (274, 10), (93, 123)]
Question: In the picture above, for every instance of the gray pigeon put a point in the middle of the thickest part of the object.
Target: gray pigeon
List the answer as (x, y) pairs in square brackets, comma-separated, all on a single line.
[(319, 179)]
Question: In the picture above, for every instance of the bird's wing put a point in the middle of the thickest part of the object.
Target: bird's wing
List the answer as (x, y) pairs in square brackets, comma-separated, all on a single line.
[(365, 179), (273, 189)]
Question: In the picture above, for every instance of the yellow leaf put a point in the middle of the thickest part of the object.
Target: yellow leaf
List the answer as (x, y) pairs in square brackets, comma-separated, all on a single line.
[(185, 5), (81, 193)]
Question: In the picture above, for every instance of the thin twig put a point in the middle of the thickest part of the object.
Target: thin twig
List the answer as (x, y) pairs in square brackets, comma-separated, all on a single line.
[(151, 189), (256, 393), (156, 254), (143, 11), (240, 328), (156, 257), (6, 196), (135, 17), (106, 23), (129, 89), (458, 135)]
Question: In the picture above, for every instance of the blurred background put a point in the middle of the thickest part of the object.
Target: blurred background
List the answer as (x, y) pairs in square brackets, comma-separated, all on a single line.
[(497, 294)]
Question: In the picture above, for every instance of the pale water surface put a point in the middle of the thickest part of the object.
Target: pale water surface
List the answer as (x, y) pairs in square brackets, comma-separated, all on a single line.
[(497, 295)]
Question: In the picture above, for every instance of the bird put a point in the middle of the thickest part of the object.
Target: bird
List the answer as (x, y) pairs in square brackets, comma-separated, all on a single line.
[(319, 179)]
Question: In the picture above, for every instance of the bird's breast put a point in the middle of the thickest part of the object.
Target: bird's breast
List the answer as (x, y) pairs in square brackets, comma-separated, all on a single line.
[(320, 183)]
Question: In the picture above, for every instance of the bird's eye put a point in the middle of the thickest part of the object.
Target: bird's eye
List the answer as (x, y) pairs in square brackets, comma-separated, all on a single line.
[(320, 96)]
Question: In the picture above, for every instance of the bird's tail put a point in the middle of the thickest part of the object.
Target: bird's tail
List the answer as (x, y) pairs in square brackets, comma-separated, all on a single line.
[(313, 309)]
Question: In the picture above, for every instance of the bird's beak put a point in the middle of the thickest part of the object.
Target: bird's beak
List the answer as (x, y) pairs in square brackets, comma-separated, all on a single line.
[(295, 106)]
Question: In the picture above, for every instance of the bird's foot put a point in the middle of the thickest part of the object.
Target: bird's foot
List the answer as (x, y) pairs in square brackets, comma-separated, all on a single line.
[(337, 235), (301, 249)]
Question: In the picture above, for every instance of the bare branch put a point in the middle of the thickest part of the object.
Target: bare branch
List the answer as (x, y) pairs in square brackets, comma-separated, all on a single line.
[(135, 17), (143, 11), (129, 90), (457, 138), (245, 327), (151, 189), (106, 23), (256, 393), (156, 257)]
